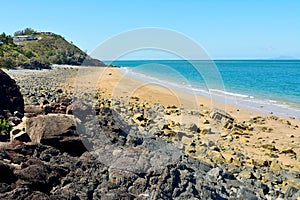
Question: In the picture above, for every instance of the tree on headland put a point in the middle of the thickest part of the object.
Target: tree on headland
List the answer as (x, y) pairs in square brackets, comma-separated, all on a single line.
[(26, 31), (6, 39)]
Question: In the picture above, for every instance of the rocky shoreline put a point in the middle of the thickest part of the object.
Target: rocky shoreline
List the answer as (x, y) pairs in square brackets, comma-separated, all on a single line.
[(135, 150)]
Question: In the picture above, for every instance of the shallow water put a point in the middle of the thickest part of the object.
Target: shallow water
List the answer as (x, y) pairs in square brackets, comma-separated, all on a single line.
[(263, 85)]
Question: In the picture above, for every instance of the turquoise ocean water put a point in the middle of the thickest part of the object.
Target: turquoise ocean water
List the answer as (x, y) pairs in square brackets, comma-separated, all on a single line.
[(263, 85)]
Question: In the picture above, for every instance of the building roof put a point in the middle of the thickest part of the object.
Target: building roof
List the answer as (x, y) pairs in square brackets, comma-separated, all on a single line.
[(23, 36)]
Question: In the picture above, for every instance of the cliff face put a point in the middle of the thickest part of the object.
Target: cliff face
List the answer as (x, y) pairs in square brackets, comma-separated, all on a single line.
[(40, 50)]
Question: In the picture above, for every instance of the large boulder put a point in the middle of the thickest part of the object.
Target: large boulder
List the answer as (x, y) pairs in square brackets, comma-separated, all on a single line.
[(11, 98), (220, 115), (55, 130), (80, 109)]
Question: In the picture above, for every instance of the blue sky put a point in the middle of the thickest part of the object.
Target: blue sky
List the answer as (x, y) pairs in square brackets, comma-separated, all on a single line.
[(226, 29)]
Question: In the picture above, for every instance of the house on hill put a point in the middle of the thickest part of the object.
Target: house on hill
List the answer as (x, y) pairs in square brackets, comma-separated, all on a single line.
[(21, 38)]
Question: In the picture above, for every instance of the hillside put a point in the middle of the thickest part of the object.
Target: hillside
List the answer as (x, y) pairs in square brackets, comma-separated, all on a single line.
[(40, 50)]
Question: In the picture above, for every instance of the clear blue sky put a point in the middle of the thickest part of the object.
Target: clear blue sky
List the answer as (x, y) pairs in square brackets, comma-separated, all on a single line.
[(226, 29)]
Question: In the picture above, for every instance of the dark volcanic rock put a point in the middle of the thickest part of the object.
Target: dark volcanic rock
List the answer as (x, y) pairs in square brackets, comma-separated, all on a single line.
[(37, 175), (34, 64), (10, 96), (88, 61), (47, 173), (25, 193), (21, 136), (79, 109), (61, 104), (56, 130), (6, 173)]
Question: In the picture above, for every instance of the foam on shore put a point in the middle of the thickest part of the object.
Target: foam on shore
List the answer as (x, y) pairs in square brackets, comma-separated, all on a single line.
[(265, 106)]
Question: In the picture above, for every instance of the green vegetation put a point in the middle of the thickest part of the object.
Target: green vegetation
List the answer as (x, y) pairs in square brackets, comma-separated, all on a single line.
[(6, 39), (26, 31), (45, 48), (4, 126)]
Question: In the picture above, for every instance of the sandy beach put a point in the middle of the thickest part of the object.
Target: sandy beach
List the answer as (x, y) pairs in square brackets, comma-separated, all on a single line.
[(248, 144), (281, 133)]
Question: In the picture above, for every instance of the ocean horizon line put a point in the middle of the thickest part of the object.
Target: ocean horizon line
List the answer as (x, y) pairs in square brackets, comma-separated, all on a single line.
[(248, 59)]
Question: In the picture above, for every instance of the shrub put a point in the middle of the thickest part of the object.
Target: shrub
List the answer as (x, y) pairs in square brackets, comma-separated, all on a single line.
[(4, 126), (28, 54)]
